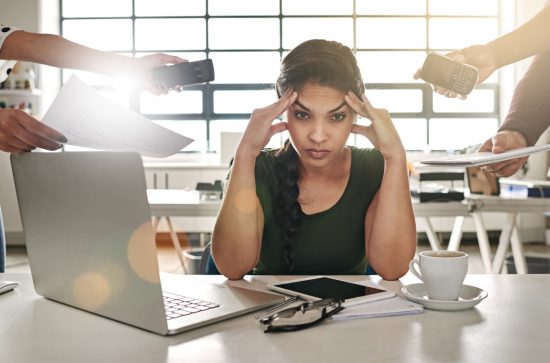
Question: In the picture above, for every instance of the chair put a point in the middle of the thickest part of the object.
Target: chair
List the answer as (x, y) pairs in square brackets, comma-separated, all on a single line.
[(207, 265)]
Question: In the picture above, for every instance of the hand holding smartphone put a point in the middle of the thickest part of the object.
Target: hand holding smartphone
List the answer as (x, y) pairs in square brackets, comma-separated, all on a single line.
[(184, 74), (449, 74)]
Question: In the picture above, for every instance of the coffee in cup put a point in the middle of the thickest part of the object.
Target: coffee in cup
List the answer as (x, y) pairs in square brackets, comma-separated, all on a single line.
[(442, 272)]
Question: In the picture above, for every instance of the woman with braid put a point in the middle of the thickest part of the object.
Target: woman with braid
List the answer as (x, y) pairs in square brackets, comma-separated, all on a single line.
[(317, 206)]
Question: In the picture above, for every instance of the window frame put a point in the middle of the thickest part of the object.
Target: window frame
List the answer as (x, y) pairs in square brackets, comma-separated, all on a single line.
[(207, 115)]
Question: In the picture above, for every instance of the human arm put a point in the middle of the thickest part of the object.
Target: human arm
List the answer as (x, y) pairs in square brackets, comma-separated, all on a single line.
[(531, 38), (527, 119), (237, 234), (504, 140), (389, 249), (57, 51)]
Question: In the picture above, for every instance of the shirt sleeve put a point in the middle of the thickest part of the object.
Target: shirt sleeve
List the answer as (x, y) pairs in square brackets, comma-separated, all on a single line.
[(5, 65), (529, 112)]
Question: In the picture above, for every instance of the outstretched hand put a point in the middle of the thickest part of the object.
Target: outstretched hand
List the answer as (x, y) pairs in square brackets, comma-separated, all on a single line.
[(479, 56), (142, 70), (261, 128), (20, 132), (501, 142), (381, 133)]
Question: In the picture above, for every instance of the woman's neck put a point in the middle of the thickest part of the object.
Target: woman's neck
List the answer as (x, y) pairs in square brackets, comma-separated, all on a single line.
[(333, 170)]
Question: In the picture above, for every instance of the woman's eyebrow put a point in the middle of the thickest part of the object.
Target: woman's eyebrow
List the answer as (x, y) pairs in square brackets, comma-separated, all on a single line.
[(302, 106), (337, 108)]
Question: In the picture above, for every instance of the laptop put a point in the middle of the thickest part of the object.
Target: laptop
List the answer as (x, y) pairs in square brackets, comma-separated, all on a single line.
[(91, 245)]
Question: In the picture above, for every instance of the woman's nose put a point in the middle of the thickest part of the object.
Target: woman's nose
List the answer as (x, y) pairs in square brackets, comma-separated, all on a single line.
[(318, 132)]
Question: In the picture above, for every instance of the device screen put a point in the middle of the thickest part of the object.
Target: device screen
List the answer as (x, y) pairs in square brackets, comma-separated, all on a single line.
[(325, 287), (438, 70)]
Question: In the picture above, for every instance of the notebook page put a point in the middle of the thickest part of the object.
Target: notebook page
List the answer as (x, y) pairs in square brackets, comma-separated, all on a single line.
[(484, 158)]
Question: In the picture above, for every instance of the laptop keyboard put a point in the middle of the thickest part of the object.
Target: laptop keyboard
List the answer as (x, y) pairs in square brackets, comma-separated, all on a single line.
[(177, 306)]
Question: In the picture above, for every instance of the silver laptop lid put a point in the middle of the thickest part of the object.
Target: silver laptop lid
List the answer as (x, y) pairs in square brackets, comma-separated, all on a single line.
[(88, 232)]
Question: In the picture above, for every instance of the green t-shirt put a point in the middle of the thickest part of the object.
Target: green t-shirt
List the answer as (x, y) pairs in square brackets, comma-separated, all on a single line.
[(331, 242)]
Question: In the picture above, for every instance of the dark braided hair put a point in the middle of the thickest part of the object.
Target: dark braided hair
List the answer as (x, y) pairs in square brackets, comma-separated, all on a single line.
[(322, 62)]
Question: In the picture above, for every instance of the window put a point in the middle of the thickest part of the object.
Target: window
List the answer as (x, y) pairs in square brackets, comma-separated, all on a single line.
[(247, 39)]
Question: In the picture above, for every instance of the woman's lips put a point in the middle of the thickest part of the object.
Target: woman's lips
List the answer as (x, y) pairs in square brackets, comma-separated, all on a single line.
[(317, 153)]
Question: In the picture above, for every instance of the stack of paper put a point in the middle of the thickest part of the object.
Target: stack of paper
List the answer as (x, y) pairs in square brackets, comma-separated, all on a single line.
[(387, 307)]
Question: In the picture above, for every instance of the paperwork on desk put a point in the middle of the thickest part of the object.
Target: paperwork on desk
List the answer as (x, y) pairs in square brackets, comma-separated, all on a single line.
[(88, 119), (484, 158), (387, 307)]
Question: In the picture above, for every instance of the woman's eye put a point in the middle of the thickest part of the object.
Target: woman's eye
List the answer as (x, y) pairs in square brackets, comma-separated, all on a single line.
[(301, 115), (339, 116)]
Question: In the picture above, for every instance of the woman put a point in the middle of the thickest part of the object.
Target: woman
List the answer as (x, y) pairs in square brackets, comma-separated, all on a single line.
[(317, 206)]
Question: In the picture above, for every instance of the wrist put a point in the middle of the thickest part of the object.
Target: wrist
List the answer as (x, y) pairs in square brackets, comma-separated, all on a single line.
[(245, 155), (396, 158)]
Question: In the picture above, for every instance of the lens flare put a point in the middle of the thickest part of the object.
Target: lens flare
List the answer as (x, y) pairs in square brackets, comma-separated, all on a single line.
[(91, 291), (139, 253)]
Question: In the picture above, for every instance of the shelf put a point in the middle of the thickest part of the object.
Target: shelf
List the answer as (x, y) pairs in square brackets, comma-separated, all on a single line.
[(20, 92)]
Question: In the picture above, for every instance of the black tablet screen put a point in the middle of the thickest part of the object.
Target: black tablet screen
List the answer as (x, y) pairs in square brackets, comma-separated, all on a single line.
[(325, 287)]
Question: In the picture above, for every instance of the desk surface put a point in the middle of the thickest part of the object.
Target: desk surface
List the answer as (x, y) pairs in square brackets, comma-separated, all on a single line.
[(511, 325), (178, 202)]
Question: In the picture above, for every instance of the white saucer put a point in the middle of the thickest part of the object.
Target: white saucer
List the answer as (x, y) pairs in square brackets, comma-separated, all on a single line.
[(469, 297)]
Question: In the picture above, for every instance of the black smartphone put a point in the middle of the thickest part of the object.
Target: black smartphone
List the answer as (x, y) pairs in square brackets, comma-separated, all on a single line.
[(184, 74), (447, 73)]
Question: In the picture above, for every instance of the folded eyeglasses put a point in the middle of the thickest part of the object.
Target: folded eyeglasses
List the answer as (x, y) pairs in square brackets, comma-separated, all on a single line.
[(300, 317)]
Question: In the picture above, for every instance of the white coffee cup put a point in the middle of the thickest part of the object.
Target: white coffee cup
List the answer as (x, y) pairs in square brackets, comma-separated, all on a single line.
[(442, 272)]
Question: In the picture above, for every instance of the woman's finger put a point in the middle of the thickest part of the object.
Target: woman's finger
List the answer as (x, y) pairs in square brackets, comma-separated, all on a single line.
[(277, 127), (353, 102), (285, 101), (366, 131)]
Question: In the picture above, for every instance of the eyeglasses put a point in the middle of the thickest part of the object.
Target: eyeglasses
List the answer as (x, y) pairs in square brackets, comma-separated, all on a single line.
[(300, 317)]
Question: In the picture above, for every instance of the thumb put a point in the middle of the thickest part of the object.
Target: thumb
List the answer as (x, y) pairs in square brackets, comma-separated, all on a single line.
[(500, 143), (486, 146)]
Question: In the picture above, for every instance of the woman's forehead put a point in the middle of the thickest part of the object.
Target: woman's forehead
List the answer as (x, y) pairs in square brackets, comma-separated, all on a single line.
[(320, 97)]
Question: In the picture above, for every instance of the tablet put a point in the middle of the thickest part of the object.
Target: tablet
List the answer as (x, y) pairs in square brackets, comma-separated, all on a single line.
[(322, 287)]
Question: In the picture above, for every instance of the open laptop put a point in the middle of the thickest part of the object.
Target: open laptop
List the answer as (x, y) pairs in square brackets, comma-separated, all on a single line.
[(91, 245)]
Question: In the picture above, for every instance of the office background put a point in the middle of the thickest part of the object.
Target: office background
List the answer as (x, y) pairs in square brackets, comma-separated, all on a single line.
[(387, 59)]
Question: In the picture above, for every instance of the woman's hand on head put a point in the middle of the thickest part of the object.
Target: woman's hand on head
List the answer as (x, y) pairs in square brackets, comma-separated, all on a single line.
[(261, 128), (381, 132)]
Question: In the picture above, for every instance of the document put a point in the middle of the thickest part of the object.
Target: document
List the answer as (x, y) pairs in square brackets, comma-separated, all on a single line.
[(484, 158), (88, 119), (396, 305)]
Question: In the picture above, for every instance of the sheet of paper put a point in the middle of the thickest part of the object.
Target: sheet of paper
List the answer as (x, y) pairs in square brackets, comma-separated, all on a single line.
[(484, 158), (387, 307), (88, 119)]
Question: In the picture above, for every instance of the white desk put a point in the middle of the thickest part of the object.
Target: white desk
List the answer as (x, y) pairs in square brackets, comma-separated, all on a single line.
[(511, 325), (166, 203)]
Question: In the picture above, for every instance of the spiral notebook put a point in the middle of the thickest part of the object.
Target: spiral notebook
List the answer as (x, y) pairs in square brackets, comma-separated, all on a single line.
[(484, 158), (387, 307)]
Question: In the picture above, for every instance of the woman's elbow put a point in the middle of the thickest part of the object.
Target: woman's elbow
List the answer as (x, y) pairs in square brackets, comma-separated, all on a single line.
[(233, 275), (393, 274)]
